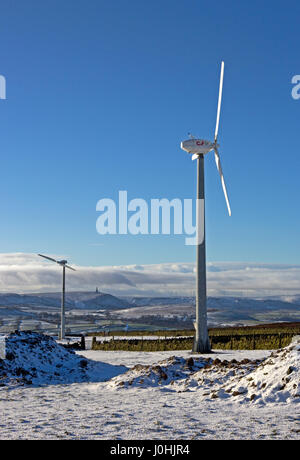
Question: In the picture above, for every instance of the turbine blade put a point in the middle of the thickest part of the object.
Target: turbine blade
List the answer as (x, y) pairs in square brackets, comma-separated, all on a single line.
[(195, 156), (49, 258), (219, 167), (67, 266), (219, 101)]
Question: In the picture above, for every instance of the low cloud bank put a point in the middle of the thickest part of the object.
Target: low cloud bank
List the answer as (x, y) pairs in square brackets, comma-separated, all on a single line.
[(21, 272)]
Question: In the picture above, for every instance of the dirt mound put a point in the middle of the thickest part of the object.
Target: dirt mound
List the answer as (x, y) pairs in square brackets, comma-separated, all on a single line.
[(276, 379), (271, 380), (30, 358), (163, 373)]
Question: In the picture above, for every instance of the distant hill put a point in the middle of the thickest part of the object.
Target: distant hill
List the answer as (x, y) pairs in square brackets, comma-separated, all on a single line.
[(234, 303), (74, 300), (221, 310), (155, 301)]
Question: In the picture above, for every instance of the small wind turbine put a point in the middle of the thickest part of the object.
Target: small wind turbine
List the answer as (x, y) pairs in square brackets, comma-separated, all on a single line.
[(64, 265), (198, 148)]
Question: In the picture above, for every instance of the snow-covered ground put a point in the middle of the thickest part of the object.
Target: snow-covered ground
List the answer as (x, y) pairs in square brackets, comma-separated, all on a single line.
[(164, 395)]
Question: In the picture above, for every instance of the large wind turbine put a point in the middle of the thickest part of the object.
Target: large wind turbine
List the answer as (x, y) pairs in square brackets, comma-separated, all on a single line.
[(64, 265), (198, 148)]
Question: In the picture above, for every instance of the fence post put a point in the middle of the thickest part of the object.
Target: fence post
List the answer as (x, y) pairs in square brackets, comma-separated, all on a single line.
[(253, 342), (279, 340)]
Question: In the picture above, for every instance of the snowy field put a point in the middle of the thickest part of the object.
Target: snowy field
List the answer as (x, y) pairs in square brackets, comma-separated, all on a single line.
[(162, 395)]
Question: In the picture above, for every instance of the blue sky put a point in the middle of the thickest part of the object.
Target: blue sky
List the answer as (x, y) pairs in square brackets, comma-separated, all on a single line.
[(100, 95)]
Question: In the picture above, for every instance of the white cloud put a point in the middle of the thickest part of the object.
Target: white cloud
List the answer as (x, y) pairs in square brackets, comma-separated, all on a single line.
[(20, 272)]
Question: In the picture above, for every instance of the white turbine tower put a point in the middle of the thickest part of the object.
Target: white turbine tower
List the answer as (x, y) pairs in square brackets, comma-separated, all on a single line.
[(198, 148), (64, 265)]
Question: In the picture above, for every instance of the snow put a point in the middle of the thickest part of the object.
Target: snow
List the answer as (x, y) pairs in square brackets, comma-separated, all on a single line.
[(147, 395)]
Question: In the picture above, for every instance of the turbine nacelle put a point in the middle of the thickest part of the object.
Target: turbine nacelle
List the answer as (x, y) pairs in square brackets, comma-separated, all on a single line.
[(198, 146)]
